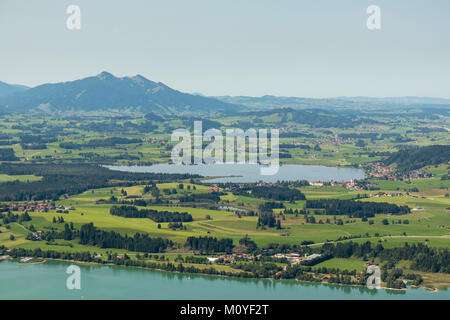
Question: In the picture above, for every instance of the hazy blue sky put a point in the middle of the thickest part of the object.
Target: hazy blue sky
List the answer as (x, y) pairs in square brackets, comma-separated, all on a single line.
[(314, 48)]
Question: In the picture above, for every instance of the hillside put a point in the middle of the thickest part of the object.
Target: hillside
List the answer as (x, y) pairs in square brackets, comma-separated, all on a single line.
[(316, 118), (107, 92), (7, 89), (348, 103), (412, 159)]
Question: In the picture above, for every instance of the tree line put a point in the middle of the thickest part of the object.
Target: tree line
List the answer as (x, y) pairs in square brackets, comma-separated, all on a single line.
[(90, 235), (277, 193), (416, 158), (355, 209), (157, 216), (210, 244)]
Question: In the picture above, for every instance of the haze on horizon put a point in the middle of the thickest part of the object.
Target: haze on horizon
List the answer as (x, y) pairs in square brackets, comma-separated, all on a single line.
[(289, 48)]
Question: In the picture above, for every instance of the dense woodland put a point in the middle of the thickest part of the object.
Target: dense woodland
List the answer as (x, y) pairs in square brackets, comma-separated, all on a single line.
[(278, 193), (90, 235), (210, 244), (416, 158), (355, 209), (422, 257), (7, 154), (157, 216)]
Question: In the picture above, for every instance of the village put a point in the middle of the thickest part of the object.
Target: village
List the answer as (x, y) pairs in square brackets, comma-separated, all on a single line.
[(292, 258), (33, 206), (378, 171)]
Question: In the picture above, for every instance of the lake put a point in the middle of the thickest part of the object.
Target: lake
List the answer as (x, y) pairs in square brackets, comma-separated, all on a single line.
[(242, 173), (48, 281)]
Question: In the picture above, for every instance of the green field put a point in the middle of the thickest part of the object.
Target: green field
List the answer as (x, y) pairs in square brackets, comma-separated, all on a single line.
[(80, 141)]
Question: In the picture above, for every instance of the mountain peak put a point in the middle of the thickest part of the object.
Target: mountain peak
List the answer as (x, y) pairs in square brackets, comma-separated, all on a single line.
[(105, 75), (139, 79)]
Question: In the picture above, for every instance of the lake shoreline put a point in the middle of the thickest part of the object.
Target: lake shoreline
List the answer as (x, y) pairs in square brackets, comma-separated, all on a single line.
[(430, 290)]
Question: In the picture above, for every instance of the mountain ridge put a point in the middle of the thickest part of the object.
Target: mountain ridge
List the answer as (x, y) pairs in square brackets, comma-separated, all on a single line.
[(7, 89), (106, 92)]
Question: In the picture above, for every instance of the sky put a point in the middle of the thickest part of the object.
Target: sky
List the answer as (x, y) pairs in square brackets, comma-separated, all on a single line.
[(313, 48)]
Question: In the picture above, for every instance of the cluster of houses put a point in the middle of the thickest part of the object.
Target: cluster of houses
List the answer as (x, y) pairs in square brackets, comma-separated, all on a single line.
[(349, 185), (214, 188), (336, 140), (34, 207), (379, 171), (397, 194), (231, 258), (386, 194), (153, 140), (295, 258), (36, 236)]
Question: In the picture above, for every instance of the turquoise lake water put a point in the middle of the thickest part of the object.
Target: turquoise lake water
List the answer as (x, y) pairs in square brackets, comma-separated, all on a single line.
[(48, 281)]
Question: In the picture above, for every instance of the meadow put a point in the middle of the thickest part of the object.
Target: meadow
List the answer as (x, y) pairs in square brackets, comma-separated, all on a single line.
[(428, 223)]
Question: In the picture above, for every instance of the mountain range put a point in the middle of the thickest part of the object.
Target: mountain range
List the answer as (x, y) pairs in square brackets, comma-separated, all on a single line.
[(339, 103), (106, 92)]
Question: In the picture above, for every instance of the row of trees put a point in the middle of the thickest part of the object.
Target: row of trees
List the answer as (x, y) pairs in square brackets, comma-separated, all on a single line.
[(11, 217), (355, 209), (202, 197), (277, 193), (210, 244), (157, 216)]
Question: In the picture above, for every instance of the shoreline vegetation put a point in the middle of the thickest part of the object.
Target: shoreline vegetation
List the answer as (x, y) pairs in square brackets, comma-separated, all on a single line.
[(431, 290), (267, 268)]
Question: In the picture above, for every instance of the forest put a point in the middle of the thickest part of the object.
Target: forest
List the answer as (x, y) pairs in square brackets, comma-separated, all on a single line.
[(210, 244), (157, 216), (90, 235), (416, 158), (278, 193), (7, 154), (355, 209)]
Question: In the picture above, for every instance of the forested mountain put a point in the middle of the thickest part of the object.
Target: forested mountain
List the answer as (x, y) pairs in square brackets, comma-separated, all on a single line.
[(316, 118), (412, 159), (107, 92), (7, 89)]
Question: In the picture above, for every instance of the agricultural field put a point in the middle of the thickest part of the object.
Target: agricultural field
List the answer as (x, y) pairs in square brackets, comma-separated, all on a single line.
[(214, 211)]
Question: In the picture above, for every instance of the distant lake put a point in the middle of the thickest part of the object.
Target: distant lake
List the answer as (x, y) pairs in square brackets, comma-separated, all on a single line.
[(242, 173), (48, 281)]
